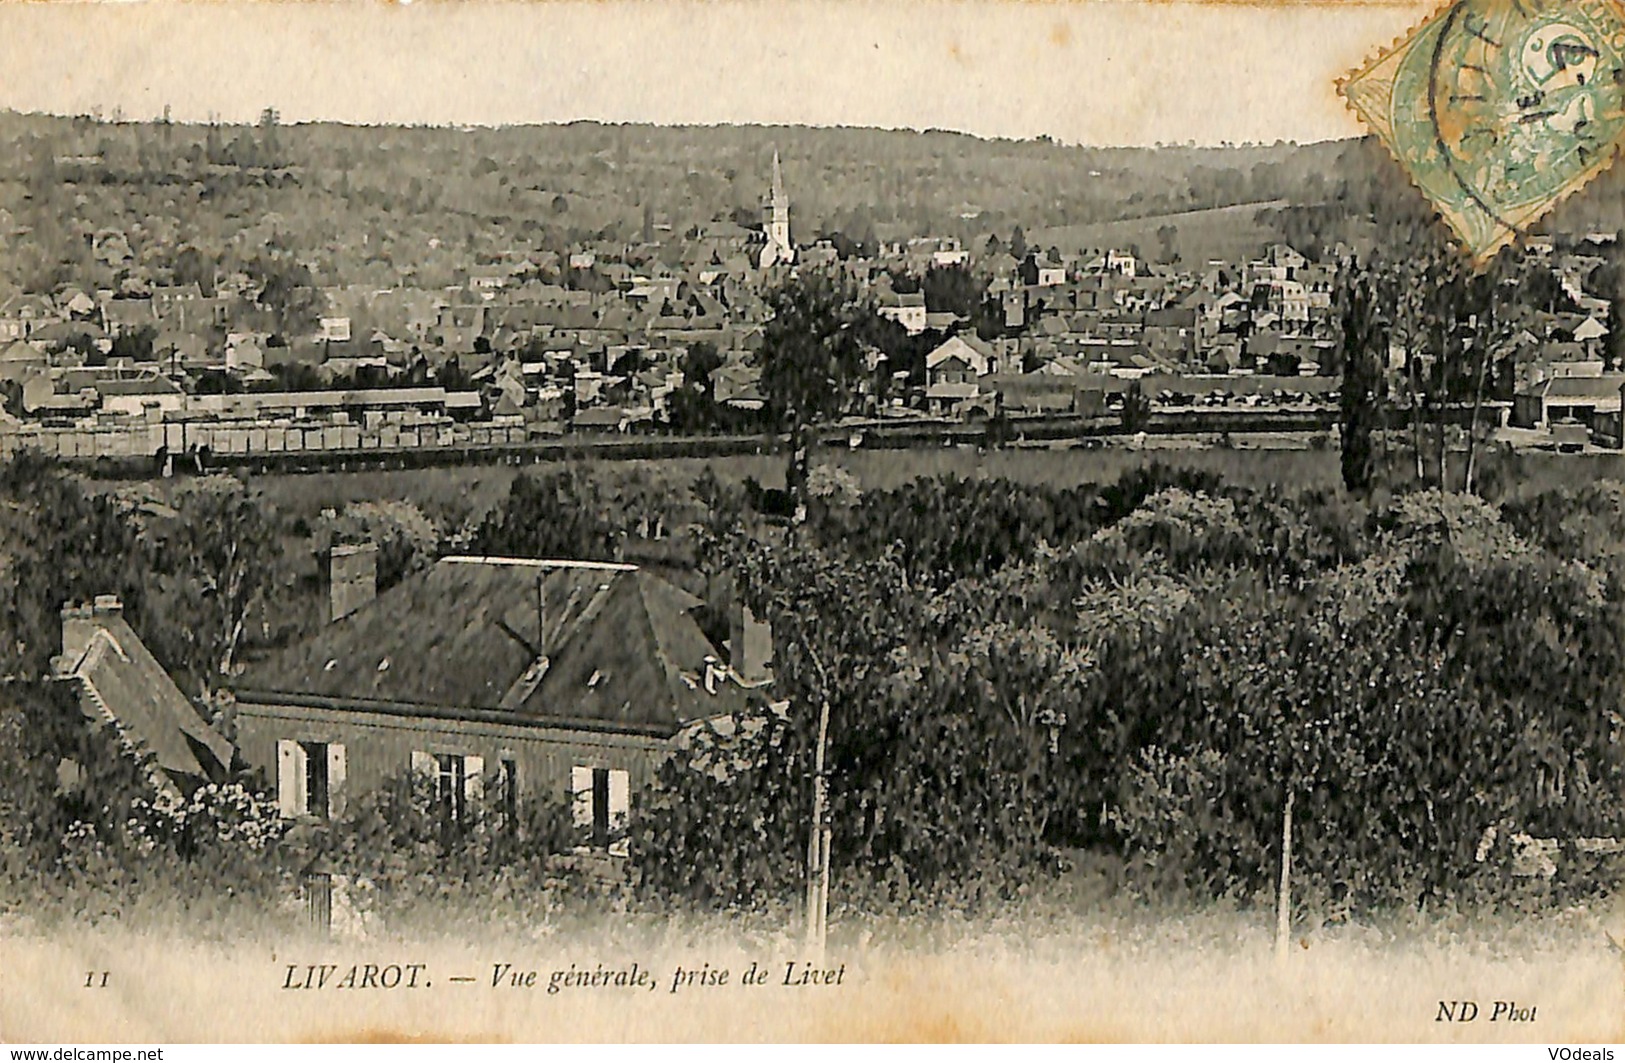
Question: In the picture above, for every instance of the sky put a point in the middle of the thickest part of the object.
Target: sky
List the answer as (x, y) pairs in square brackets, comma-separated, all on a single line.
[(1101, 72)]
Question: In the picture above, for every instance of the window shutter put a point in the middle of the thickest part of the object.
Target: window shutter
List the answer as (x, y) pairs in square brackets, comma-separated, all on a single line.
[(620, 800), (581, 797), (335, 780), (424, 771), (473, 785), (290, 778)]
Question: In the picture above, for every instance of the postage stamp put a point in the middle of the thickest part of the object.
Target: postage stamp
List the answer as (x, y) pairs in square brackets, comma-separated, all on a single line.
[(1498, 109)]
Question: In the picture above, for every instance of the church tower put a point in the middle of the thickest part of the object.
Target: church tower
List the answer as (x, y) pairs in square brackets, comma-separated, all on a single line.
[(776, 222)]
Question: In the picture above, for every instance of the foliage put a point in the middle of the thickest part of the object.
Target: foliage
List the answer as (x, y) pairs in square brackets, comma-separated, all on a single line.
[(819, 327), (929, 736), (60, 544), (1136, 412), (1364, 341), (211, 556), (404, 857), (407, 540), (559, 515)]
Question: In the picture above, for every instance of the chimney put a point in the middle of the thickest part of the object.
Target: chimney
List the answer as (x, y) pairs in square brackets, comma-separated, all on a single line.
[(352, 575), (750, 646), (78, 626)]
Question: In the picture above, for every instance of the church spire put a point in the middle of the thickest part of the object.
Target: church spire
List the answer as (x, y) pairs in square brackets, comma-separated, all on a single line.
[(776, 221)]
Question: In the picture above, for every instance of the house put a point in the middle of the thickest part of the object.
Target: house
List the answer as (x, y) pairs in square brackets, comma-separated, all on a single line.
[(120, 682), (1579, 398), (1171, 333), (1041, 271), (333, 329), (244, 352), (547, 680), (19, 360), (171, 301), (459, 326), (488, 280), (907, 309), (142, 395), (600, 419), (952, 372), (22, 314), (960, 359), (122, 317), (739, 385)]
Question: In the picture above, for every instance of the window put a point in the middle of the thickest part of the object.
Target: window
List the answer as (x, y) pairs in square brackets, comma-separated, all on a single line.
[(508, 797), (310, 778), (450, 795), (454, 782), (599, 802), (316, 789)]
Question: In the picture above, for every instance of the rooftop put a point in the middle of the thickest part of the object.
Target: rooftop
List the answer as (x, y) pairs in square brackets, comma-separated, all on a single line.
[(563, 643)]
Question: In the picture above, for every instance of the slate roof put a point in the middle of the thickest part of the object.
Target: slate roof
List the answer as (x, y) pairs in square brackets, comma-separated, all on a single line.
[(621, 647), (120, 678), (1602, 387)]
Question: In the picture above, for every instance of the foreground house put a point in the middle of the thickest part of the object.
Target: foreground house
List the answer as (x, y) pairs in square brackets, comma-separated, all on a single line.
[(558, 680)]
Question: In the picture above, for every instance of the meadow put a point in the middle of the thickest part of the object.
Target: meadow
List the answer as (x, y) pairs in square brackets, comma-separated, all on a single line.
[(480, 487), (1250, 463), (1228, 234)]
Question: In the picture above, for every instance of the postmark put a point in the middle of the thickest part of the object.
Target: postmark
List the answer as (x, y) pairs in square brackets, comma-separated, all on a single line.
[(1498, 109)]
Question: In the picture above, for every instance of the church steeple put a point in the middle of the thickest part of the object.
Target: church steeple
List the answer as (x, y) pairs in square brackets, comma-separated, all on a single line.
[(776, 221)]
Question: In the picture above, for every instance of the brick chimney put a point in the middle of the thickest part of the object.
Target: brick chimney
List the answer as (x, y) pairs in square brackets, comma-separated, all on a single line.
[(80, 624), (352, 573)]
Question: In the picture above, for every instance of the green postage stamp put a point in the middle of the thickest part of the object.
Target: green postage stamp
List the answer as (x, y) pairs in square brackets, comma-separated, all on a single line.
[(1498, 109)]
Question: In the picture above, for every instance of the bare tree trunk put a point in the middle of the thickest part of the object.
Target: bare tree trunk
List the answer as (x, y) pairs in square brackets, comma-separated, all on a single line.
[(1283, 900), (1442, 441), (1416, 426), (818, 845)]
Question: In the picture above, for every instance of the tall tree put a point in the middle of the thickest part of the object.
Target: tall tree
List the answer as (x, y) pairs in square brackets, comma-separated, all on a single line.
[(814, 356), (1364, 341), (212, 557)]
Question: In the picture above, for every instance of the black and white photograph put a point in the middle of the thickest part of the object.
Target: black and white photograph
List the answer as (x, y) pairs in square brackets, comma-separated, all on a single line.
[(812, 521)]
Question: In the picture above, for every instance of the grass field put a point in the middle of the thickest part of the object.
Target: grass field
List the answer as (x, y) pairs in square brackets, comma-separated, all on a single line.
[(481, 487), (477, 488), (1232, 234)]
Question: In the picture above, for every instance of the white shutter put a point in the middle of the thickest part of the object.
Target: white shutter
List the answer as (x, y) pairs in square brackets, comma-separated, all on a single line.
[(335, 780), (620, 799), (581, 797), (424, 771), (290, 778), (473, 785), (620, 802)]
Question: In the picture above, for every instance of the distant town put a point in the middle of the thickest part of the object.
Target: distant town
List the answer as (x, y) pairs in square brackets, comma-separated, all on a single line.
[(662, 333)]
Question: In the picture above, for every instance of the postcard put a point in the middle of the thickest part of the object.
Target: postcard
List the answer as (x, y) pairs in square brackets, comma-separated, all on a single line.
[(812, 520)]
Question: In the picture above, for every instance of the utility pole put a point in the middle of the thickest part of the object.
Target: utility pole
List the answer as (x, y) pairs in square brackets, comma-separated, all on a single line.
[(818, 837), (819, 831), (1283, 900)]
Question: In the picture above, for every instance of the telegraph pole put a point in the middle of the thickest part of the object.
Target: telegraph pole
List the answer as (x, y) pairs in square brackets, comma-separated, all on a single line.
[(818, 843), (818, 828)]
